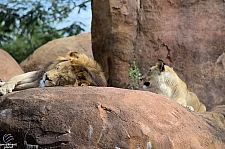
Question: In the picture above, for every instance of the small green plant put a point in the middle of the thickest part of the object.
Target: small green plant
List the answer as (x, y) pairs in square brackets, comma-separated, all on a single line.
[(134, 75)]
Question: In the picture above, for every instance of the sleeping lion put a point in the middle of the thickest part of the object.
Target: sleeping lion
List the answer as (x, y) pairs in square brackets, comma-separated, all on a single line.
[(75, 69), (167, 83)]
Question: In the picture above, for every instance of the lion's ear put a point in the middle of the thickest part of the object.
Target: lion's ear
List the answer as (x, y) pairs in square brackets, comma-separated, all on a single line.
[(73, 54), (160, 66)]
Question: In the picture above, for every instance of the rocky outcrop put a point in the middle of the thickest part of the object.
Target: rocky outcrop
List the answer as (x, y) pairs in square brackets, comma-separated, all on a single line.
[(59, 47), (8, 66), (97, 117), (187, 35)]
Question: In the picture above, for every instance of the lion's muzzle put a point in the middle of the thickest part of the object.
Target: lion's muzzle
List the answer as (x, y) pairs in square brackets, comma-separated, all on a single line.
[(45, 81), (146, 83), (47, 77)]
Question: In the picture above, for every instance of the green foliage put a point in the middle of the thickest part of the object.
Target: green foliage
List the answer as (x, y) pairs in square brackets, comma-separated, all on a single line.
[(25, 25), (134, 75)]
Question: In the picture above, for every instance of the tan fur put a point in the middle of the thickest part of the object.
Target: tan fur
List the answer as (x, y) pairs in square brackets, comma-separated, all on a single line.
[(167, 83), (75, 69)]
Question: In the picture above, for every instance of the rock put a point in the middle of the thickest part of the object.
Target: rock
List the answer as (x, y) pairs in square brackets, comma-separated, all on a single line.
[(216, 115), (98, 117), (187, 35), (8, 66), (59, 47)]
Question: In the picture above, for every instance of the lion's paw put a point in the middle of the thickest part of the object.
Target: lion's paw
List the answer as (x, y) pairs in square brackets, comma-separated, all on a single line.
[(2, 91), (190, 108), (1, 83), (6, 88)]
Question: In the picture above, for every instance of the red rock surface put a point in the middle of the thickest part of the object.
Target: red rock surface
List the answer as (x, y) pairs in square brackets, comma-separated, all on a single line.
[(8, 66), (187, 35), (59, 47), (97, 117)]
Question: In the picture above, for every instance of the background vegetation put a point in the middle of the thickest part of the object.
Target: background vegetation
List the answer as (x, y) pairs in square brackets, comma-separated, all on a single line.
[(25, 25), (134, 75)]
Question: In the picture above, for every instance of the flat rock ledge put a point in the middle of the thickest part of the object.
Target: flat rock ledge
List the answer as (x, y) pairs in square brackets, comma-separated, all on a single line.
[(106, 118)]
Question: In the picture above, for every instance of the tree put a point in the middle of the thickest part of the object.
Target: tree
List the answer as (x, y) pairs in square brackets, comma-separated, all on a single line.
[(25, 25)]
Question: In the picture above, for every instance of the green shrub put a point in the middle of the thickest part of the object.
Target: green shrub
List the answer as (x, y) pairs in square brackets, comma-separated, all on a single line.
[(134, 75)]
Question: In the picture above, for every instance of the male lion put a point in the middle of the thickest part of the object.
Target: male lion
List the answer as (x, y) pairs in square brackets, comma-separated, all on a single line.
[(167, 83), (75, 69)]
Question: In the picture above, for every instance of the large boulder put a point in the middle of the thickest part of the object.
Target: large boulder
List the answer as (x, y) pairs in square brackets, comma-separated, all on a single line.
[(106, 118), (58, 47), (187, 35), (8, 66)]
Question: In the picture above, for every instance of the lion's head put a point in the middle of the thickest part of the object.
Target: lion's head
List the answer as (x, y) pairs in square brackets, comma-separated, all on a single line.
[(151, 77), (76, 69)]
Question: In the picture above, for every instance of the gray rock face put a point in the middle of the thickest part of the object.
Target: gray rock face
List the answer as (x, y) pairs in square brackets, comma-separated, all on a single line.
[(187, 35), (98, 117)]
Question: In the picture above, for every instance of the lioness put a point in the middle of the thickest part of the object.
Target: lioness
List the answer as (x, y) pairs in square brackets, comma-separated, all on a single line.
[(75, 69), (167, 83)]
